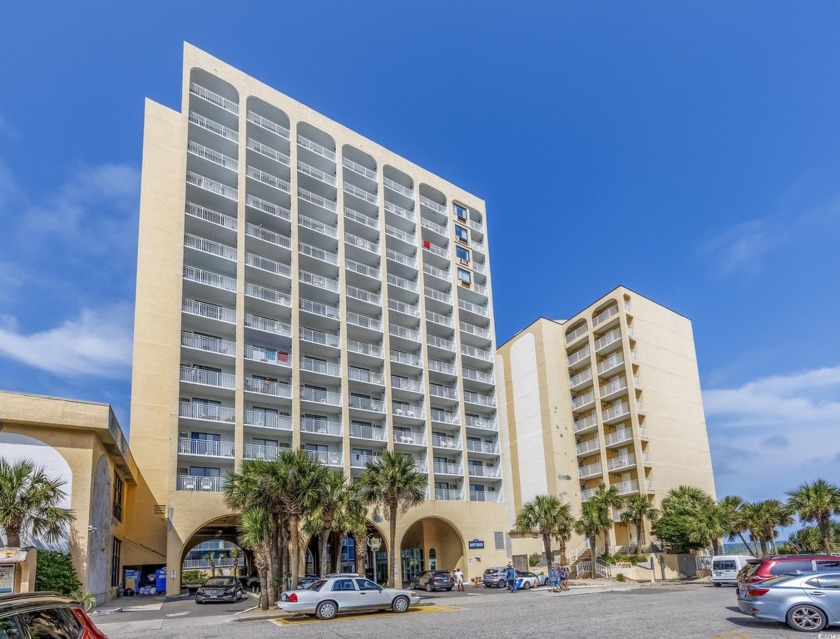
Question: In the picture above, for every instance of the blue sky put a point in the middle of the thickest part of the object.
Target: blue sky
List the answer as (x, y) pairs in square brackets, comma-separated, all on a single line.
[(690, 151)]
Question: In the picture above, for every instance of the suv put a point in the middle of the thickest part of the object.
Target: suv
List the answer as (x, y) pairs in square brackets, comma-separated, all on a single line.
[(495, 577), (45, 614), (763, 568), (433, 580)]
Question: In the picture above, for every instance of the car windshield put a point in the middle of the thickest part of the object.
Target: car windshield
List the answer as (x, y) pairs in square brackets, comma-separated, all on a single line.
[(220, 581), (441, 574)]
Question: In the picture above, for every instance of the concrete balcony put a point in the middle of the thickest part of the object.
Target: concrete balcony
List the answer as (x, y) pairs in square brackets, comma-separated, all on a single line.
[(321, 367), (616, 412), (402, 283), (206, 412), (441, 468), (363, 195), (261, 452), (590, 470), (267, 265), (268, 125), (479, 400), (196, 375), (587, 447), (264, 387), (396, 187), (364, 348), (318, 227), (320, 427), (368, 433), (317, 396), (366, 403), (446, 368), (214, 127), (581, 379), (211, 155), (208, 344), (583, 401), (481, 422), (482, 311), (268, 179), (267, 151), (316, 308), (489, 472), (265, 206), (317, 174), (267, 356), (449, 494), (209, 215), (267, 295), (476, 353), (485, 495), (585, 424), (581, 330), (314, 147), (618, 437), (201, 484), (327, 458), (359, 169), (361, 461), (269, 236), (363, 269), (578, 356), (605, 315), (479, 376), (439, 342), (209, 278), (214, 98), (627, 487), (267, 325), (361, 218), (448, 443), (205, 448), (445, 417), (263, 419), (399, 211), (444, 298), (622, 462), (317, 200), (434, 206)]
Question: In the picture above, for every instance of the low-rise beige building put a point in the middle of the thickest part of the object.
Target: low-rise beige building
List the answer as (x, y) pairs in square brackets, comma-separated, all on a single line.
[(611, 395), (81, 443)]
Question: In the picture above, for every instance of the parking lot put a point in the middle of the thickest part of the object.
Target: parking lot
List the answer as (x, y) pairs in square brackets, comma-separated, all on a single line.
[(695, 611)]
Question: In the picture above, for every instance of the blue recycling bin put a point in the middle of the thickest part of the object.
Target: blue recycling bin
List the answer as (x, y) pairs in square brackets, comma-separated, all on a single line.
[(160, 580)]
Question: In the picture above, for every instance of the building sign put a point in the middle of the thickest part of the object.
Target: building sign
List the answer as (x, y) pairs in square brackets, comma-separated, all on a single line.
[(475, 544)]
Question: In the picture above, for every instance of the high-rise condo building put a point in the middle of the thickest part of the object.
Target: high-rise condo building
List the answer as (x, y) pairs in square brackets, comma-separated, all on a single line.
[(610, 396), (299, 286)]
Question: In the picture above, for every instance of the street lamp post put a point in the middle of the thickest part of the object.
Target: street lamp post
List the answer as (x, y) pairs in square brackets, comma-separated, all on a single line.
[(375, 544)]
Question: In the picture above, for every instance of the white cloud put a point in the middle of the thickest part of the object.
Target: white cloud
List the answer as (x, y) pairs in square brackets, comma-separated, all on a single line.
[(741, 248), (772, 434), (98, 343)]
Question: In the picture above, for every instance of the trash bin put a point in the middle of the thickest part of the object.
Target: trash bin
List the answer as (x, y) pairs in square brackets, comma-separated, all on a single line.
[(160, 580)]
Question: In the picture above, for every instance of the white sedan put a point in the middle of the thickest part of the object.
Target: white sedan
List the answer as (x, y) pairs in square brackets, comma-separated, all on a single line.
[(347, 593)]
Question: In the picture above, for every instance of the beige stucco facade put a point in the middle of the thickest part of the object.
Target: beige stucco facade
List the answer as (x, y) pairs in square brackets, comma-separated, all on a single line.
[(301, 286), (82, 444), (611, 396)]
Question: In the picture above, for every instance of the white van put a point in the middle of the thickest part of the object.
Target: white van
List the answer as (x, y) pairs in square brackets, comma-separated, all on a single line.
[(725, 568)]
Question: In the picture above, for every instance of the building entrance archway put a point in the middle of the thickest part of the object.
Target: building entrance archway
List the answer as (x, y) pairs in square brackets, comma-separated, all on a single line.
[(346, 560), (431, 543), (210, 547)]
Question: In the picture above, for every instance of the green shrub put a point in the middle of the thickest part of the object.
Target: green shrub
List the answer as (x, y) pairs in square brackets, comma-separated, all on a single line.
[(55, 572), (189, 577), (534, 559), (620, 577)]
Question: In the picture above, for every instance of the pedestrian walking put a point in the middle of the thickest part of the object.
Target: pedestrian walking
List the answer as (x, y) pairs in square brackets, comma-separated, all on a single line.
[(564, 579), (554, 578), (459, 580), (510, 576)]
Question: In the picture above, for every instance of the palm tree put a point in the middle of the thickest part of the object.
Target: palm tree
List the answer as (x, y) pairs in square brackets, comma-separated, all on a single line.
[(351, 519), (258, 487), (254, 534), (604, 499), (29, 503), (732, 508), (299, 478), (331, 494), (563, 531), (816, 503), (591, 522), (234, 554), (637, 508), (211, 558), (691, 519), (547, 516), (392, 483), (775, 513)]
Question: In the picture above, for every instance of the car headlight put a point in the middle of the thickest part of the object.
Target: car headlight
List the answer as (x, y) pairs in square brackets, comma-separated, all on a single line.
[(200, 591), (230, 591)]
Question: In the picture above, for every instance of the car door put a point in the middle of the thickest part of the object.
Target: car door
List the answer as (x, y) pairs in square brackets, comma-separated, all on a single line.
[(345, 594), (372, 596), (824, 590)]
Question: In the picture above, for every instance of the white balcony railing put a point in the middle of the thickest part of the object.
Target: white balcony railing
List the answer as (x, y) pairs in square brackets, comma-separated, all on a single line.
[(318, 174), (266, 387), (478, 353), (408, 238), (588, 446), (472, 329), (209, 412), (317, 200), (209, 215), (616, 411), (436, 390), (406, 358), (440, 208), (212, 311), (614, 386), (265, 419), (268, 207), (214, 98), (196, 375), (363, 295), (406, 384), (405, 333), (578, 355), (586, 422), (610, 338), (364, 321), (479, 376), (319, 281), (201, 484), (328, 458), (361, 218), (583, 400), (491, 472), (207, 343), (267, 355), (364, 348), (316, 148), (211, 155), (267, 265), (442, 320), (363, 269), (452, 443), (627, 487), (367, 403), (319, 366), (481, 422), (442, 367), (479, 399), (361, 193), (316, 308), (268, 125), (319, 337), (364, 431), (446, 298), (212, 185), (580, 378), (267, 295), (398, 188), (320, 426), (261, 451), (590, 470), (623, 461), (580, 330), (267, 151), (444, 417), (473, 308), (362, 375), (403, 283), (428, 269), (406, 309), (358, 460), (213, 126), (399, 258), (268, 325), (268, 236), (400, 211), (318, 396), (618, 437), (439, 342), (432, 226), (187, 446), (449, 494), (358, 168), (318, 253), (603, 316), (447, 468), (491, 448), (485, 495), (268, 179), (415, 439), (318, 227)]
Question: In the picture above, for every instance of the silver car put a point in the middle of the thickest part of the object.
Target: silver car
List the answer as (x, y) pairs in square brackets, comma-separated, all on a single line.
[(807, 602), (327, 597)]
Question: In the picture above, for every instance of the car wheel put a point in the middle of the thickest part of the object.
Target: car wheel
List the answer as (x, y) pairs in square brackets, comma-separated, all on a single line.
[(198, 602), (716, 584), (326, 610), (806, 618), (527, 585), (400, 604), (448, 589), (502, 583), (428, 587)]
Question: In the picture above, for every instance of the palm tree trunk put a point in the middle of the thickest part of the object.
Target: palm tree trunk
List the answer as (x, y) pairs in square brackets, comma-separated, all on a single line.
[(825, 533), (273, 567), (294, 549), (395, 555), (562, 551), (592, 539), (13, 536), (338, 545), (744, 541), (361, 553), (323, 537), (547, 547), (261, 564), (639, 533)]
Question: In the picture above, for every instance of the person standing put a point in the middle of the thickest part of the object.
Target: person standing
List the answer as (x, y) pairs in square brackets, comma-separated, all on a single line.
[(510, 576), (563, 573), (459, 580), (554, 577)]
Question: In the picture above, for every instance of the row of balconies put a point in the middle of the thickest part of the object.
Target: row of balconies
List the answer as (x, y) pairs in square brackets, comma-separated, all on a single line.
[(615, 438)]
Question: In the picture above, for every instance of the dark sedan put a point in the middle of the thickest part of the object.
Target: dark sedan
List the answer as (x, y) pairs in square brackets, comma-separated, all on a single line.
[(220, 589), (433, 580)]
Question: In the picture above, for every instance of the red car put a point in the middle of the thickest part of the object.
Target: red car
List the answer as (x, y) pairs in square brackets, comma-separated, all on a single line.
[(45, 614), (762, 568)]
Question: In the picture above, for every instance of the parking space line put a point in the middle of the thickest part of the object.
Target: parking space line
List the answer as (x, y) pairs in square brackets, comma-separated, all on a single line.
[(300, 620)]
